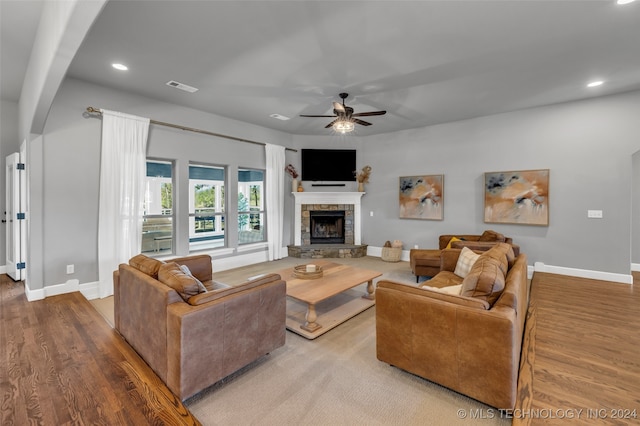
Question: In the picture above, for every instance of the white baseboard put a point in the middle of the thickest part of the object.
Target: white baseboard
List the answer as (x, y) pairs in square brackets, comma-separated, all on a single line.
[(541, 267), (51, 290), (584, 273), (3, 269), (635, 267), (90, 290)]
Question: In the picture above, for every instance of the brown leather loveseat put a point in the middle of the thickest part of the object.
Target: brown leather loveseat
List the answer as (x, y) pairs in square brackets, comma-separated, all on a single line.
[(190, 337), (468, 340)]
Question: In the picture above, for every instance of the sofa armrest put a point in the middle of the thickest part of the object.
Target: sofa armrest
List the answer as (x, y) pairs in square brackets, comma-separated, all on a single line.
[(203, 298), (209, 341)]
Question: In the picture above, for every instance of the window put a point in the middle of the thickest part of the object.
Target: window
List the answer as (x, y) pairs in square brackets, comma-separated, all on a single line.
[(251, 213), (157, 225), (206, 207)]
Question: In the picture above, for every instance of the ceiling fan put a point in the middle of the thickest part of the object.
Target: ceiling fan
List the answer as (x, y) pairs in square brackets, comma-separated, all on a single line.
[(345, 118)]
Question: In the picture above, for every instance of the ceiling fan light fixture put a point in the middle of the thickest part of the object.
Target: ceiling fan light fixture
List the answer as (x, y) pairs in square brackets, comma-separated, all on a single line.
[(344, 126)]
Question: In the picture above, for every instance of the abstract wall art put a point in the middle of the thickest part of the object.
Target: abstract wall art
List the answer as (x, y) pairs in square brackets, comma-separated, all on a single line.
[(518, 197), (422, 197)]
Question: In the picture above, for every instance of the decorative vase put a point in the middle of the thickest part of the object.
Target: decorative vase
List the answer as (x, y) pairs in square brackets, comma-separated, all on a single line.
[(360, 186), (300, 188), (294, 185)]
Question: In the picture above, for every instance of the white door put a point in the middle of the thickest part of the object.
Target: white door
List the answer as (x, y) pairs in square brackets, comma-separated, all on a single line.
[(14, 217)]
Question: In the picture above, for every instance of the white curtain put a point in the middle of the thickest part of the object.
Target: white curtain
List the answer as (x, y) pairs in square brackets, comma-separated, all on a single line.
[(122, 174), (275, 200)]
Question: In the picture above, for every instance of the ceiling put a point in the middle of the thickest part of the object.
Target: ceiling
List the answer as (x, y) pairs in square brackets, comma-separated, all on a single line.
[(425, 62)]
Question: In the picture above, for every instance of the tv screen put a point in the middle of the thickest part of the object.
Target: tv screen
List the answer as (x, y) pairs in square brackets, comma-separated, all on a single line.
[(330, 165)]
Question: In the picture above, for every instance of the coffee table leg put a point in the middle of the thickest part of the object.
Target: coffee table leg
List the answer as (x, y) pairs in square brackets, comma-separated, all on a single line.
[(311, 325), (370, 290)]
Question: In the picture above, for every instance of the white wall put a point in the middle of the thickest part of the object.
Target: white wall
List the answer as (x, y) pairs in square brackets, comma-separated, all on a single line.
[(586, 145)]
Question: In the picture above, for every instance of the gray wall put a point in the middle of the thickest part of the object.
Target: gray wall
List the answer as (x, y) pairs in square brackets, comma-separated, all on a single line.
[(9, 143), (70, 176), (586, 145)]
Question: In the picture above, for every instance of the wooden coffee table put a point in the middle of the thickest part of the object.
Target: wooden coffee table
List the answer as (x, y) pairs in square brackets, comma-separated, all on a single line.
[(316, 306)]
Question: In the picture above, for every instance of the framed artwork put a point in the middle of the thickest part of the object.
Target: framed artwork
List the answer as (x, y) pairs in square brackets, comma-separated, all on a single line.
[(518, 197), (422, 197)]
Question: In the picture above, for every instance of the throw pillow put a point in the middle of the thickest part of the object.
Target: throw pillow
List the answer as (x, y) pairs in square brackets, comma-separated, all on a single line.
[(452, 289), (491, 236), (148, 265), (485, 280), (465, 261), (171, 275), (187, 271), (453, 239)]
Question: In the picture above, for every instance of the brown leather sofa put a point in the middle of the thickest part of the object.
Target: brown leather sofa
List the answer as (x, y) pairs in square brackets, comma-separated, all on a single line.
[(467, 342), (426, 262), (192, 341)]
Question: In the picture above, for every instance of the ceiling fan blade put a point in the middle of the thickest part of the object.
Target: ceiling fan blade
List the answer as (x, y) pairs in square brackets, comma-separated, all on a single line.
[(364, 123), (330, 124), (338, 107), (369, 114), (325, 116)]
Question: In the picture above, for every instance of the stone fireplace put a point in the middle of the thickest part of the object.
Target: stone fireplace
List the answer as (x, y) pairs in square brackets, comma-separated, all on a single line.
[(326, 224)]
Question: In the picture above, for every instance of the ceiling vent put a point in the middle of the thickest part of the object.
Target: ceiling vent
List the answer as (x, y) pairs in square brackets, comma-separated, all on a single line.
[(181, 86)]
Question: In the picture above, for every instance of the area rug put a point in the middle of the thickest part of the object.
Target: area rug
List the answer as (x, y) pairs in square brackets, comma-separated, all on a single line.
[(335, 379)]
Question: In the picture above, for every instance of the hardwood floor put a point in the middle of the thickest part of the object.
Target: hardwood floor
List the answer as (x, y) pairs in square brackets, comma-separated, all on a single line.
[(62, 364), (581, 354)]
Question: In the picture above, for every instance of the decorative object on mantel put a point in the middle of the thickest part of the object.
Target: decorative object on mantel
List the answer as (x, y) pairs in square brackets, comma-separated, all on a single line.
[(391, 252), (300, 187), (294, 176), (362, 177), (307, 272)]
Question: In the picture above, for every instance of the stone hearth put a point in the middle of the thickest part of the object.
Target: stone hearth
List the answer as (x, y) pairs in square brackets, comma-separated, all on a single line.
[(319, 251)]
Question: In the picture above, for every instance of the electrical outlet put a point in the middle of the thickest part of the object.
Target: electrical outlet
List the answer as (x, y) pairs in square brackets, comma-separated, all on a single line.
[(594, 214), (70, 269)]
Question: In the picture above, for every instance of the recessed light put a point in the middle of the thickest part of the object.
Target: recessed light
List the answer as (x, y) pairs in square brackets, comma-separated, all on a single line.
[(595, 83), (120, 67), (279, 117), (625, 1)]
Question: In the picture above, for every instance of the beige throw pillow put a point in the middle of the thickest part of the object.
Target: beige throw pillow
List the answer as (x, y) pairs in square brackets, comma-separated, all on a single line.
[(465, 261)]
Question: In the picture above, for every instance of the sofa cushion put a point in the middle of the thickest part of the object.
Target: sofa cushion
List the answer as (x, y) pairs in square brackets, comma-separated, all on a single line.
[(146, 264), (171, 275), (491, 236), (485, 280), (465, 261)]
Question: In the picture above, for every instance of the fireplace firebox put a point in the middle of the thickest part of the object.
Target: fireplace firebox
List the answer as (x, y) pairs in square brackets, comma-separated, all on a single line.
[(327, 226)]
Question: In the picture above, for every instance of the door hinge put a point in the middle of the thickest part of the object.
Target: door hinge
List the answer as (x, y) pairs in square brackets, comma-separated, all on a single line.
[(20, 166), (21, 265), (21, 216)]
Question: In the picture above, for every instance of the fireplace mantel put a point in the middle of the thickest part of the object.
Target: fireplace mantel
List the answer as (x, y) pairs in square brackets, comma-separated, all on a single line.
[(328, 198)]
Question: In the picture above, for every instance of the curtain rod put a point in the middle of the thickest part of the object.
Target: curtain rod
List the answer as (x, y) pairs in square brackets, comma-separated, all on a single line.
[(92, 110)]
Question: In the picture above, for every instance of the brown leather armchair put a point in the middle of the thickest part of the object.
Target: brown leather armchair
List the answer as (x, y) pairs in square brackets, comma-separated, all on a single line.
[(426, 262), (193, 343)]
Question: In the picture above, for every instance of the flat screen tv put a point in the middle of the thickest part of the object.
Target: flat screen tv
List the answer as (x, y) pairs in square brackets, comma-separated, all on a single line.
[(329, 165)]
